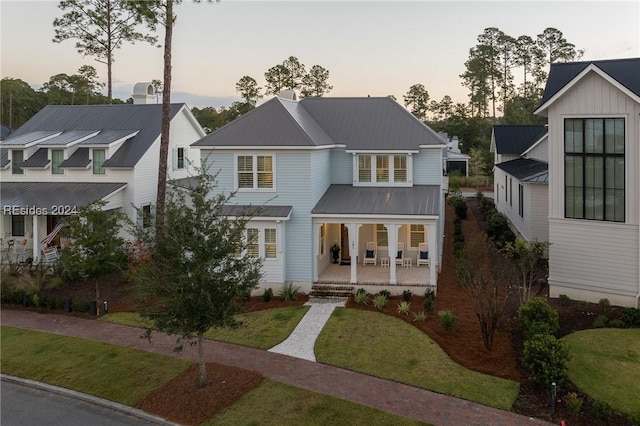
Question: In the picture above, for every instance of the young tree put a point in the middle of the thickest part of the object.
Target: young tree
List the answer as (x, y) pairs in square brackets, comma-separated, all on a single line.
[(417, 100), (97, 248), (528, 258), (199, 267), (100, 27), (248, 88), (486, 275), (315, 82)]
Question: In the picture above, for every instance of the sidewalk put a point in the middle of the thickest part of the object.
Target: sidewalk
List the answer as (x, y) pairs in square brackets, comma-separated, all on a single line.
[(386, 395)]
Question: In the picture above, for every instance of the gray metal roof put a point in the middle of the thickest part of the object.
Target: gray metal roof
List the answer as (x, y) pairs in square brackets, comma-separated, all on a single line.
[(44, 195), (5, 131), (80, 158), (18, 138), (147, 118), (525, 169), (516, 139), (358, 123), (624, 71), (419, 200), (68, 137), (38, 160), (4, 157), (108, 136)]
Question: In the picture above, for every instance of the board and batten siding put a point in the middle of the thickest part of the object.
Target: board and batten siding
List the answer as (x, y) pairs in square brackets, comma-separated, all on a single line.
[(427, 167), (537, 207), (540, 152), (591, 259)]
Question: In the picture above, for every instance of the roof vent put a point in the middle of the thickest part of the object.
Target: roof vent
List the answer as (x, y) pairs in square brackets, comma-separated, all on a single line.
[(144, 93)]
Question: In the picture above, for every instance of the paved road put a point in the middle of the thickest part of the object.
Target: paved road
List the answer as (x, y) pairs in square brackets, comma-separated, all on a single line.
[(22, 405)]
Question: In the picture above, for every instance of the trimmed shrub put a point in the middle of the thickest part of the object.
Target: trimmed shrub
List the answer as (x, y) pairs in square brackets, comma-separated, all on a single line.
[(429, 296), (385, 293), (600, 322), (267, 295), (537, 316), (605, 305), (631, 317), (564, 300), (546, 359), (448, 319), (602, 410), (616, 323), (406, 295), (583, 305), (498, 228), (459, 205)]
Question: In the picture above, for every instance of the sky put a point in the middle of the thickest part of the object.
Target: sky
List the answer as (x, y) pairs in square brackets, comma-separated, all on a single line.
[(371, 48)]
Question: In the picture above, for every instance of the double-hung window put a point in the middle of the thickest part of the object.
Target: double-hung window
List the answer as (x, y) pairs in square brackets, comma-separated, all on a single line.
[(179, 158), (594, 186), (17, 226), (262, 242), (382, 238), (253, 243), (383, 169), (416, 235), (17, 157), (99, 157), (270, 243), (255, 171), (57, 157), (521, 200)]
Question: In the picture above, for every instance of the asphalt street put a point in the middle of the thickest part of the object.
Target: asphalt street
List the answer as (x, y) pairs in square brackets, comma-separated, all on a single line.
[(22, 405)]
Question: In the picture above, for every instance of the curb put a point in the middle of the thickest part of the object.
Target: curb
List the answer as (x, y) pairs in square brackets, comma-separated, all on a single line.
[(90, 399)]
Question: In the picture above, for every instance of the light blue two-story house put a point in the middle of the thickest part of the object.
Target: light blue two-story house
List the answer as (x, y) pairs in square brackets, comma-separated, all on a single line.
[(358, 174)]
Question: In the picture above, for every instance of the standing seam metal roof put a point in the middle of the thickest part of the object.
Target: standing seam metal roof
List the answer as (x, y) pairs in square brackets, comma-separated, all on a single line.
[(524, 168), (516, 139), (45, 195), (38, 160), (358, 123), (419, 200)]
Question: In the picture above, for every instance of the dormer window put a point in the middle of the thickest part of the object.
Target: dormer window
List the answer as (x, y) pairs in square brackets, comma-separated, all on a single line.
[(17, 157), (57, 157), (390, 170), (99, 157)]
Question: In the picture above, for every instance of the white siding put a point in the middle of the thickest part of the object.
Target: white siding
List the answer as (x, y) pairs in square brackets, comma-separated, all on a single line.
[(540, 152), (537, 207), (183, 134), (591, 258)]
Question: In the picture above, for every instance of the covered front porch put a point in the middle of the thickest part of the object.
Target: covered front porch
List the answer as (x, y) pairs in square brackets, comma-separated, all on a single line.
[(375, 275)]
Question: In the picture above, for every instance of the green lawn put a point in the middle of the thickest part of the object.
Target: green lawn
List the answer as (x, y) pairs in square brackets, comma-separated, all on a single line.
[(262, 329), (383, 346), (126, 375), (274, 403), (112, 372), (605, 364)]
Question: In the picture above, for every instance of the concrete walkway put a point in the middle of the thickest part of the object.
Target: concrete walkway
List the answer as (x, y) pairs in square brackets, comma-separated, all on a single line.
[(386, 395), (301, 341)]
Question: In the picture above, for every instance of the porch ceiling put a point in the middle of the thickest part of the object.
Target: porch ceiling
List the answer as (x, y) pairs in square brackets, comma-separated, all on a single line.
[(45, 195), (419, 200)]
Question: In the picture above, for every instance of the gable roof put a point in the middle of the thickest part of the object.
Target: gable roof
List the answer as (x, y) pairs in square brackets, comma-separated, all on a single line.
[(516, 139), (79, 120), (357, 123), (624, 72), (526, 169)]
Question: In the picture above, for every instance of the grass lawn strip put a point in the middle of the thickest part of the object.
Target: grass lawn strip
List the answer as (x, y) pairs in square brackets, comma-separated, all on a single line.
[(274, 403), (262, 329), (605, 364), (382, 346), (95, 368)]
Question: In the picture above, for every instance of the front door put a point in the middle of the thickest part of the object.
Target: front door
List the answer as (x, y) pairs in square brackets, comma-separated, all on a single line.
[(344, 245)]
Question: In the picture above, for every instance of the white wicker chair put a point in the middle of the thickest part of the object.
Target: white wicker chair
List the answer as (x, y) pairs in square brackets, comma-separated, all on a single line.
[(399, 255)]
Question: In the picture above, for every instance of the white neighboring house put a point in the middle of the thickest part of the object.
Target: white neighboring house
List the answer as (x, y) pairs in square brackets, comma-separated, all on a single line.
[(68, 156), (454, 159), (593, 111), (520, 178)]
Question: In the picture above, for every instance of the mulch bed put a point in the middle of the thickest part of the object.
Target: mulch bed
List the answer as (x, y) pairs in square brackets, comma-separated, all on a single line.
[(183, 402)]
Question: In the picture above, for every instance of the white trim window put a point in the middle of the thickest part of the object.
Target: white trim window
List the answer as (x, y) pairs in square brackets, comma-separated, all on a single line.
[(17, 157), (255, 172), (179, 158), (270, 243), (382, 237), (262, 242), (253, 242), (57, 157), (323, 238), (98, 158), (416, 235), (390, 170)]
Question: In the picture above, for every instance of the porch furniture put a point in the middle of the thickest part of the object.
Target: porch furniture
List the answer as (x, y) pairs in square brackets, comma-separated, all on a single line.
[(370, 254), (400, 254), (423, 255), (384, 262), (406, 262), (20, 248)]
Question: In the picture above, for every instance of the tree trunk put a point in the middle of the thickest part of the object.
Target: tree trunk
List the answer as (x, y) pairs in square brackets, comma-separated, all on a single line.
[(109, 57), (203, 367), (166, 122)]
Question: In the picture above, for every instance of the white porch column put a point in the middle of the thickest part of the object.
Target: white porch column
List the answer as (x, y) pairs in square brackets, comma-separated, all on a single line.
[(36, 238), (392, 237), (354, 231), (432, 230), (315, 240)]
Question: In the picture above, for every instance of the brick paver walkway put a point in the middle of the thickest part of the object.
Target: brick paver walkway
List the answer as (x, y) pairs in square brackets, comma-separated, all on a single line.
[(393, 397)]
